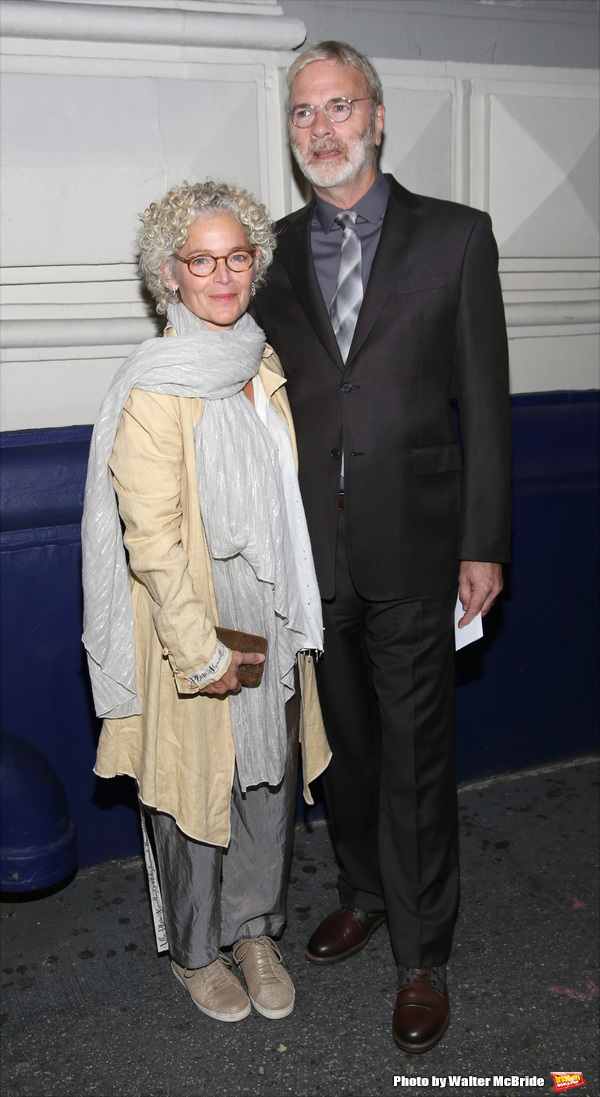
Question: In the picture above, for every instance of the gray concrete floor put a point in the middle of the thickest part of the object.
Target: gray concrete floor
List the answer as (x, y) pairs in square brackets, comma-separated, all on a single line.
[(88, 1007)]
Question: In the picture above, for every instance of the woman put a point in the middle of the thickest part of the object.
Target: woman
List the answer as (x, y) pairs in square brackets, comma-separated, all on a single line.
[(195, 441)]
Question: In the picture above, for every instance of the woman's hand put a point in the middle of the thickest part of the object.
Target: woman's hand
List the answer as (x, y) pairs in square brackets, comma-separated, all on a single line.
[(229, 682)]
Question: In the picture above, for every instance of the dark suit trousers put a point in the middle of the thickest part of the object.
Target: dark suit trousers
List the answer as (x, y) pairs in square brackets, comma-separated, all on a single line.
[(386, 690)]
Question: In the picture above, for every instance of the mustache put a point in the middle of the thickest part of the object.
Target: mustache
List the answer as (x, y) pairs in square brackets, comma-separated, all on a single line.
[(326, 146)]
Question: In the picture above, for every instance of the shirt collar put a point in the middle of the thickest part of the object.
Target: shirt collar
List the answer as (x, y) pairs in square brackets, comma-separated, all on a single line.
[(371, 207)]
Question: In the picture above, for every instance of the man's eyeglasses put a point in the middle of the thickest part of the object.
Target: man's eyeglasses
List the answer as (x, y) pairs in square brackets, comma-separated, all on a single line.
[(337, 110), (238, 260)]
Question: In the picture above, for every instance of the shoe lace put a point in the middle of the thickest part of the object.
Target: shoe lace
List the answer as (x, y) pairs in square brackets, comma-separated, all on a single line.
[(435, 976), (266, 956)]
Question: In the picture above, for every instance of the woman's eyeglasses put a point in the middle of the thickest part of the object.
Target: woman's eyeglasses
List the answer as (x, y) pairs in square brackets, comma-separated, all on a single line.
[(238, 260)]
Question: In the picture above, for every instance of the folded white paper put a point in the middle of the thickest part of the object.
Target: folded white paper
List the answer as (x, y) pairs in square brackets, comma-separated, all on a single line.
[(468, 633)]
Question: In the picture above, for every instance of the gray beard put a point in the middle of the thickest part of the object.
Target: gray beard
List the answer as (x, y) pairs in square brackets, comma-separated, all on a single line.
[(359, 155)]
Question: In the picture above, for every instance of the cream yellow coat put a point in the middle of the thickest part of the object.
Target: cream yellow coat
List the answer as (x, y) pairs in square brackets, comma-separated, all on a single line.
[(180, 749)]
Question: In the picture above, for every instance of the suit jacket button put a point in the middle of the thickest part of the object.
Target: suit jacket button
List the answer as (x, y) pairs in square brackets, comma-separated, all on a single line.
[(336, 454), (347, 387)]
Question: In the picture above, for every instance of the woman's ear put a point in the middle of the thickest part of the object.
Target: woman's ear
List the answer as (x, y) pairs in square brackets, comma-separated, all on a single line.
[(168, 274)]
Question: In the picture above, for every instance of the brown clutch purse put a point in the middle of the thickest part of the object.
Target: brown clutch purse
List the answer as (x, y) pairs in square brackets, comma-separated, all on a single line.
[(249, 674)]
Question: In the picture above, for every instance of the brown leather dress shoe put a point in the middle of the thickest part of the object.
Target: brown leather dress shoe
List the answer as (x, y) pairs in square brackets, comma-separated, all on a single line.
[(341, 935), (422, 1012)]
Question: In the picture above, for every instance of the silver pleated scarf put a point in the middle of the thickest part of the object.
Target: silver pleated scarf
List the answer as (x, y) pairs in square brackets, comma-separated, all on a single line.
[(244, 516)]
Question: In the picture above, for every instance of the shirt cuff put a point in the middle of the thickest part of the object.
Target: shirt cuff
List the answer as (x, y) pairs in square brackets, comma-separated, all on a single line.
[(212, 669)]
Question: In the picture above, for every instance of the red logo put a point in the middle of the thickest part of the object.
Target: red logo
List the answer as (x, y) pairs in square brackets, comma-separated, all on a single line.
[(567, 1080)]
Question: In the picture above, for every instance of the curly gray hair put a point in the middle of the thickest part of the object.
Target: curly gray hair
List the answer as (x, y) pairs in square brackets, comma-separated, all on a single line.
[(166, 224)]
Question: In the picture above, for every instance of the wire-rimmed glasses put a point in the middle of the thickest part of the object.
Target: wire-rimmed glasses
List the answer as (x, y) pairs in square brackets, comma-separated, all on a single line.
[(336, 110), (202, 264)]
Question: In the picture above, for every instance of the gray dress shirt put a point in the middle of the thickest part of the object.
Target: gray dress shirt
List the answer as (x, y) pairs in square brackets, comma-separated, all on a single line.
[(326, 236)]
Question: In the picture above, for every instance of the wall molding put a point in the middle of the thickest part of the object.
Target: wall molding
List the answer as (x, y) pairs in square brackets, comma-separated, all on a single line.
[(90, 332), (95, 22), (101, 305), (111, 331)]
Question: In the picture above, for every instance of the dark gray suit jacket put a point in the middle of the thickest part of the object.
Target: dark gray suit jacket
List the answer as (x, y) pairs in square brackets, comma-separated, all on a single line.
[(417, 499)]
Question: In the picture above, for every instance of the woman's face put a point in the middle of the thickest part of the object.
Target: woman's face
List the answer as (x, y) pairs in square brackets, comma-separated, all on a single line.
[(220, 298)]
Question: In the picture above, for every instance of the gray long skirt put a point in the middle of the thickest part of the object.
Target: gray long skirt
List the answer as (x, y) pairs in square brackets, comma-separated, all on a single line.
[(213, 896)]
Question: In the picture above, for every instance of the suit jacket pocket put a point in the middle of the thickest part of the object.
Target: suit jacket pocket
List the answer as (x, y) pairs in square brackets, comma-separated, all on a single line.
[(436, 281), (431, 459)]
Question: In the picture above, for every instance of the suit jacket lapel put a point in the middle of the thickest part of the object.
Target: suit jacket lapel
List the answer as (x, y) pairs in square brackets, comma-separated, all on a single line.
[(297, 257), (397, 232), (399, 225)]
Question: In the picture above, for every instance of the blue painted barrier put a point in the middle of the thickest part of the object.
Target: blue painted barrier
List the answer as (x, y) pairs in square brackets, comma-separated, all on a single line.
[(38, 840), (526, 693)]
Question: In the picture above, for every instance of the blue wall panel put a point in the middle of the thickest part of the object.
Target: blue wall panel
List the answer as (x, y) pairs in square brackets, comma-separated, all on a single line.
[(527, 693), (45, 695)]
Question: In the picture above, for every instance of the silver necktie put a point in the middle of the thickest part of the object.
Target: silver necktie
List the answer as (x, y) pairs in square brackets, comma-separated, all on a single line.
[(348, 295)]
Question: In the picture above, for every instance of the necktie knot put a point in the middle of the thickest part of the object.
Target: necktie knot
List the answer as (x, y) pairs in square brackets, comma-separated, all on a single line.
[(347, 219)]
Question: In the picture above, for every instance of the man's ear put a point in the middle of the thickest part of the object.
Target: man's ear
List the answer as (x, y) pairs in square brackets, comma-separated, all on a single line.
[(379, 117)]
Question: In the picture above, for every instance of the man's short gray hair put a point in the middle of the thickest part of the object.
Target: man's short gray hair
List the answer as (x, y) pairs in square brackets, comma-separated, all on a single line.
[(346, 55)]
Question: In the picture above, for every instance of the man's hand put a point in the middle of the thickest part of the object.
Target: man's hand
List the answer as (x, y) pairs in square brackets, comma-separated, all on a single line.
[(229, 682), (479, 584)]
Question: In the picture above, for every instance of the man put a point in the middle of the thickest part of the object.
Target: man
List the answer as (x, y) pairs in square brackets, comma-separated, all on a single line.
[(376, 317)]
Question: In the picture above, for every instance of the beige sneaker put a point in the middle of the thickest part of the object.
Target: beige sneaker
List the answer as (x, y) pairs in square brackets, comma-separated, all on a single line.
[(215, 989), (270, 988)]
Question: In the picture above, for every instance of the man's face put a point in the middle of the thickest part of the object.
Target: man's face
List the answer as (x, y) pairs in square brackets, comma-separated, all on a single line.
[(332, 154)]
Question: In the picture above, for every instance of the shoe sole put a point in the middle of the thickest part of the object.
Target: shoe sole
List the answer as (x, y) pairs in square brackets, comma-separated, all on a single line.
[(418, 1049), (211, 1012), (349, 952), (274, 1014)]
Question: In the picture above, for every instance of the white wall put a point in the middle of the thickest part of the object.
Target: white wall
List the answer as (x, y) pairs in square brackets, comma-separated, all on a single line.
[(96, 126)]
